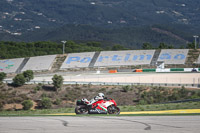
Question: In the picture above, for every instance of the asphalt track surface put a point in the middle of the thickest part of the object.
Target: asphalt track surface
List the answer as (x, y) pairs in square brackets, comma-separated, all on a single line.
[(174, 78), (101, 124)]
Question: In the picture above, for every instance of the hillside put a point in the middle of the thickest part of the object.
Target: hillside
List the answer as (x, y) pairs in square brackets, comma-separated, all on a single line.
[(103, 20), (12, 97)]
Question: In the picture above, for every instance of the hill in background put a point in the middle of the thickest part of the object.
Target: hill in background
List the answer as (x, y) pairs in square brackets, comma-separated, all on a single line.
[(127, 22)]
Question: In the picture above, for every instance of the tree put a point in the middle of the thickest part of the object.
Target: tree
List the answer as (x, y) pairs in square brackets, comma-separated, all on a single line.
[(147, 46), (28, 75), (2, 76), (190, 46), (118, 47), (163, 46), (19, 80), (94, 44), (27, 104), (171, 47), (57, 81)]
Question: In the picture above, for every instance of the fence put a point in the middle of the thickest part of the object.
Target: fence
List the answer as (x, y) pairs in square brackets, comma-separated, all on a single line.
[(115, 83)]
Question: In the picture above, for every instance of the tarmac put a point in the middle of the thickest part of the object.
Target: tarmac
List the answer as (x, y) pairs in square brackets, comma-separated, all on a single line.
[(101, 124), (165, 112)]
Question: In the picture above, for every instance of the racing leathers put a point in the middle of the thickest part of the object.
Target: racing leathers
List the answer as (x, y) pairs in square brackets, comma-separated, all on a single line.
[(100, 96)]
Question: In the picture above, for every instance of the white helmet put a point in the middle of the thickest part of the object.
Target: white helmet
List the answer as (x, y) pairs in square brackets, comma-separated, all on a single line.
[(101, 95)]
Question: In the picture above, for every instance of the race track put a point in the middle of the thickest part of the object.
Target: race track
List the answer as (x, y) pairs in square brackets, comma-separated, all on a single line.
[(122, 78), (163, 78), (100, 124)]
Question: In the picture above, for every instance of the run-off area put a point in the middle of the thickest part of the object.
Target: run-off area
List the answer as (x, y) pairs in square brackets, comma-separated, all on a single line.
[(99, 124)]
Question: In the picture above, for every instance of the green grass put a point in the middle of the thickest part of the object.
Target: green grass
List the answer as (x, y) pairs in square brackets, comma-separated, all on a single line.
[(36, 112), (153, 107), (159, 107)]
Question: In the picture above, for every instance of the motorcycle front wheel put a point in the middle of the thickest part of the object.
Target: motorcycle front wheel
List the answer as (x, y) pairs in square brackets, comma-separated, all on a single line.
[(81, 109), (113, 110)]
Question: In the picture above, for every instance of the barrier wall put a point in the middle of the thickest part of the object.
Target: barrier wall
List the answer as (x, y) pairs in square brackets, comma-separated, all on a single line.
[(163, 70), (78, 60), (173, 56), (124, 58), (148, 70), (39, 63), (10, 65), (171, 70)]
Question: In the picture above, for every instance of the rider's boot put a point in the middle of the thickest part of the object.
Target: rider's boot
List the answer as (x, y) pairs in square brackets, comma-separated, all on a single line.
[(94, 107)]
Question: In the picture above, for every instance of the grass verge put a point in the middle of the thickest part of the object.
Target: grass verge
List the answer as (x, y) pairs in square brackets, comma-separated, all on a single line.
[(160, 107), (153, 107)]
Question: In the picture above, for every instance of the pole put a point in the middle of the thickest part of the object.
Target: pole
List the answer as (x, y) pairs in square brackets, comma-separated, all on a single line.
[(63, 46), (195, 38)]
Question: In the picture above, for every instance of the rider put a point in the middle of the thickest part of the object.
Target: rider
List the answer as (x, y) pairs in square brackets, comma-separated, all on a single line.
[(100, 96)]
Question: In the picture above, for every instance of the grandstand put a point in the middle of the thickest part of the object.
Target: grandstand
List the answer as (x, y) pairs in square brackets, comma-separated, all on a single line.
[(39, 63), (78, 60), (10, 65), (124, 58), (173, 56), (198, 60)]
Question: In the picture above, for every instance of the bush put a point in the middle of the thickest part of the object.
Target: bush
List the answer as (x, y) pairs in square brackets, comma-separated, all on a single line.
[(27, 104), (28, 75), (2, 76), (38, 87), (126, 88), (57, 81), (57, 102), (1, 106), (142, 102), (46, 103), (19, 80)]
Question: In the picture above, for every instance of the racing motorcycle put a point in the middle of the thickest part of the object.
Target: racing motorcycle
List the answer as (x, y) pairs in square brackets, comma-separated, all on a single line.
[(100, 107)]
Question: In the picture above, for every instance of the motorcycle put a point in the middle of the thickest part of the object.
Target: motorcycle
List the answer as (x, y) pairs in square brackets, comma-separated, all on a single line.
[(100, 107)]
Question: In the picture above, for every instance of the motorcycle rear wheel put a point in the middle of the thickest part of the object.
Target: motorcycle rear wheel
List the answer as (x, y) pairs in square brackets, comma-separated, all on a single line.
[(81, 109), (113, 110)]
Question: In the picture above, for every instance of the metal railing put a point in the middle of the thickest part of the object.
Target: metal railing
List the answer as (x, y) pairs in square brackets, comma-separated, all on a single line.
[(113, 83)]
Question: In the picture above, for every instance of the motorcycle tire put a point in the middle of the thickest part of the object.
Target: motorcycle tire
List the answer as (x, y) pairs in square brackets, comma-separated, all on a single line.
[(113, 110), (81, 109)]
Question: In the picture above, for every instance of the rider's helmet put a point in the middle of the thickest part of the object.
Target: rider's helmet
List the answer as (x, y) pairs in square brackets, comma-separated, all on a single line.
[(101, 95)]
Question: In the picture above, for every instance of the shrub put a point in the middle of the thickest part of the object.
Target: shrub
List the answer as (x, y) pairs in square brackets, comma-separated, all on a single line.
[(46, 103), (27, 104), (57, 81), (102, 90), (1, 106), (37, 88), (19, 80), (57, 102), (142, 102), (2, 76), (44, 95), (126, 88), (183, 93), (28, 75)]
